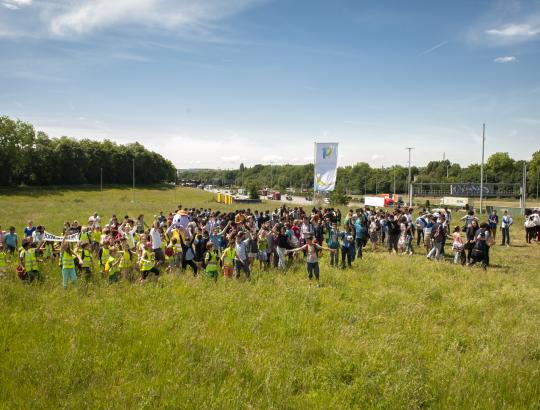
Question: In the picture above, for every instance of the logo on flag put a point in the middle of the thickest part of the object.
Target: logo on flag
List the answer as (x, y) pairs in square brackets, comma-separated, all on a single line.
[(326, 152), (325, 166)]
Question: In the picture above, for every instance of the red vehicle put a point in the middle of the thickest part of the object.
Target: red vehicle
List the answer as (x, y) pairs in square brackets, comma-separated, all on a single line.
[(277, 196)]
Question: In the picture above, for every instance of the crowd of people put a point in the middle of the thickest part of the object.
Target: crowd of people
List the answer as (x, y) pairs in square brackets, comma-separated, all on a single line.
[(208, 242)]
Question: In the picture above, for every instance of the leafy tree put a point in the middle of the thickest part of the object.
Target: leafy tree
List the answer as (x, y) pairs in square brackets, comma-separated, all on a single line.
[(33, 158), (252, 191), (338, 196)]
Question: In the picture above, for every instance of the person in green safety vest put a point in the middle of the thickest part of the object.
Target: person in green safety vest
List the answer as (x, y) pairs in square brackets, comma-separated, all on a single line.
[(87, 260), (147, 262), (211, 261), (67, 262), (3, 260), (112, 265), (28, 260), (127, 260)]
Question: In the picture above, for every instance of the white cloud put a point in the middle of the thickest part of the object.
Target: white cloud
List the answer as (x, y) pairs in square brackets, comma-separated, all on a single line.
[(231, 158), (86, 16), (15, 4), (195, 18), (511, 31), (505, 59), (272, 158)]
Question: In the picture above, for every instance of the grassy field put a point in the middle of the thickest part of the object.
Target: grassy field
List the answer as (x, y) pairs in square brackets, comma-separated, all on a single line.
[(393, 332)]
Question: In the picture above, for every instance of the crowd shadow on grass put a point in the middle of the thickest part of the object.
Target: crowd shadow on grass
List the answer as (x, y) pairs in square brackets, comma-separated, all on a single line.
[(57, 190)]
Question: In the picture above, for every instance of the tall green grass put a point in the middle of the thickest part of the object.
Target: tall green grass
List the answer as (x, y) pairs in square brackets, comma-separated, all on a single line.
[(393, 332)]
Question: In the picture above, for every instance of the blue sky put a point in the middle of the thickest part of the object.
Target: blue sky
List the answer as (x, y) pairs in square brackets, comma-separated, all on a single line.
[(212, 83)]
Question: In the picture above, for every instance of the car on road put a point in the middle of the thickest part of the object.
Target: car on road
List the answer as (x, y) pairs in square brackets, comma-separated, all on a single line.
[(288, 197)]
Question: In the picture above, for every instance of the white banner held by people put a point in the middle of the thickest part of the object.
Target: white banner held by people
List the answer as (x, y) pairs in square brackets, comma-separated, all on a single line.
[(49, 237), (326, 154)]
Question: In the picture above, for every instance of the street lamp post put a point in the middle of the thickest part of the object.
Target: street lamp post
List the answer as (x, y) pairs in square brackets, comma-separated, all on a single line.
[(133, 193), (482, 169), (409, 186)]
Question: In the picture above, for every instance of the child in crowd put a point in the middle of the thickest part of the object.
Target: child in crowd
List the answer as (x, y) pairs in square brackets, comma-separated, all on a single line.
[(112, 268), (86, 260), (458, 246), (67, 262), (311, 249), (227, 258), (211, 261)]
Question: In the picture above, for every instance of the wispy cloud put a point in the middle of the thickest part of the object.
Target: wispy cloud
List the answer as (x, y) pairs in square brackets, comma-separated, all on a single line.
[(85, 17), (505, 59), (15, 4), (431, 49), (514, 31), (272, 158), (231, 158)]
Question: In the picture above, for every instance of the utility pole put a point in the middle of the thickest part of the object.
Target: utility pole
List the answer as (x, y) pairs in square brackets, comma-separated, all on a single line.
[(482, 169), (537, 177), (394, 181), (271, 175), (101, 179), (365, 186), (409, 185), (175, 183), (524, 187), (133, 196)]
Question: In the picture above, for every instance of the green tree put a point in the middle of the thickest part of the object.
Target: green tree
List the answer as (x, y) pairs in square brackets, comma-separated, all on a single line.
[(338, 196)]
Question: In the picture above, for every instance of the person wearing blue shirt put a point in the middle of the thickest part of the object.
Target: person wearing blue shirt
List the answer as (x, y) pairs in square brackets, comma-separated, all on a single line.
[(347, 247), (332, 241), (360, 235), (493, 221), (11, 240), (29, 230), (420, 225)]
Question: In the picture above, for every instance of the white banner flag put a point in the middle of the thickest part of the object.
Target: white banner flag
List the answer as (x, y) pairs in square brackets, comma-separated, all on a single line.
[(326, 154), (49, 237)]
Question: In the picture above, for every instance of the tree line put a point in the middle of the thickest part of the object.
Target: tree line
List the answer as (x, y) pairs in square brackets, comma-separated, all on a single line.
[(32, 158), (361, 178)]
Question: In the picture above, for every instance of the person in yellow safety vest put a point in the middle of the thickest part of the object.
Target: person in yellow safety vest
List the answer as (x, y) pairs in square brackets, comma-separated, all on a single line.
[(28, 260), (3, 260), (86, 258), (177, 253), (112, 265), (103, 255), (96, 239), (227, 258), (211, 261), (86, 235), (127, 260), (67, 261), (147, 262)]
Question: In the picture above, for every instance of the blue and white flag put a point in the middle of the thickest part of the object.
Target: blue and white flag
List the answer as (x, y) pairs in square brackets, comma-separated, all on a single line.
[(326, 154)]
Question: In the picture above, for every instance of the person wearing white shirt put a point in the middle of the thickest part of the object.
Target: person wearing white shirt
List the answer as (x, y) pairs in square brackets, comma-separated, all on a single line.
[(505, 228), (155, 236)]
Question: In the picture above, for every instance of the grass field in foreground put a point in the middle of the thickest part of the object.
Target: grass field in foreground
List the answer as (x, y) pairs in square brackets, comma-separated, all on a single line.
[(393, 332)]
